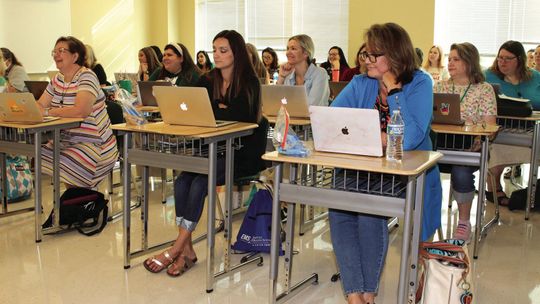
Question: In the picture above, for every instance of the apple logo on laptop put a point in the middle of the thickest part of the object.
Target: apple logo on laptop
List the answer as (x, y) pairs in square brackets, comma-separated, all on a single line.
[(183, 106), (345, 131)]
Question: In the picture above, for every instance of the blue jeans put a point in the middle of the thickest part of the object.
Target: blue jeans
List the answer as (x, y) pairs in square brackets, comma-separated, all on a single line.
[(360, 244), (190, 190), (462, 178)]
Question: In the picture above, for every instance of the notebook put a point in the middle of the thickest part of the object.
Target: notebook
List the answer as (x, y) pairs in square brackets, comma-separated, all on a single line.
[(188, 106), (336, 87), (36, 87), (144, 91), (346, 130), (296, 96), (446, 109), (21, 108)]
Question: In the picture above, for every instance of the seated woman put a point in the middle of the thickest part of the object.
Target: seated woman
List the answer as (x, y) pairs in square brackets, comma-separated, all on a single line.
[(88, 152), (258, 66), (15, 73), (510, 71), (97, 68), (360, 67), (234, 90), (178, 67), (393, 81), (478, 105), (434, 64), (270, 60), (336, 61), (148, 63), (299, 70), (203, 62), (3, 68)]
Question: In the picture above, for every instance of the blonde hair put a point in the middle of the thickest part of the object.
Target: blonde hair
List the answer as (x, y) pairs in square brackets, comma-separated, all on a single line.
[(427, 64), (91, 60), (256, 62), (307, 45)]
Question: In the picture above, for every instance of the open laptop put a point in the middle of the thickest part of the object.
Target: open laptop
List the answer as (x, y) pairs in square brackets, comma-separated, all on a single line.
[(21, 108), (346, 130), (296, 96), (36, 87), (336, 87), (144, 92), (446, 109), (188, 106)]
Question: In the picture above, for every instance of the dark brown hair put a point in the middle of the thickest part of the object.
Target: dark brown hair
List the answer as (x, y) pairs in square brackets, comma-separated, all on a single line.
[(151, 58), (75, 46), (394, 42), (470, 56), (8, 55), (516, 48), (188, 66), (274, 65)]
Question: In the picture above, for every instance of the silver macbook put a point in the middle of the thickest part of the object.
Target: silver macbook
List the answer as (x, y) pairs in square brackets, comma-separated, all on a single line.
[(446, 109), (144, 91), (346, 130), (188, 106), (296, 97), (21, 108)]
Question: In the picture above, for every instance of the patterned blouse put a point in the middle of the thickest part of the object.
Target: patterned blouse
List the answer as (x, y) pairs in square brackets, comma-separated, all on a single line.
[(384, 113), (479, 99)]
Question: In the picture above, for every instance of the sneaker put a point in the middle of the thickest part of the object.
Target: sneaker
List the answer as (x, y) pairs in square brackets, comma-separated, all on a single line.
[(463, 231)]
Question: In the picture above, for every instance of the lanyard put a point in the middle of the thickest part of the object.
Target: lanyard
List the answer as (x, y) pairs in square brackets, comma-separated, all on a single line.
[(465, 93)]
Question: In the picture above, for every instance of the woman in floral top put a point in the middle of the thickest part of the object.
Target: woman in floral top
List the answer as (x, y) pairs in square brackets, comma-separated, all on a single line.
[(478, 106)]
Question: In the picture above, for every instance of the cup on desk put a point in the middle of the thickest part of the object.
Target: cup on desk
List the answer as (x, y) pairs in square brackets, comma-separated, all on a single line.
[(335, 75), (126, 85)]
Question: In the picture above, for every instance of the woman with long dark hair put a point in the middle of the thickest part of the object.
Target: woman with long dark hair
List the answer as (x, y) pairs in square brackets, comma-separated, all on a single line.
[(14, 73), (203, 62), (178, 66), (234, 90), (336, 61)]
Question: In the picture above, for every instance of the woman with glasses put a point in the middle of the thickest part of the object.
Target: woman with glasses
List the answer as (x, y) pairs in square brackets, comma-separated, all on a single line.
[(270, 60), (235, 93), (434, 64), (336, 61), (300, 70), (360, 67), (14, 73), (87, 152), (393, 81), (510, 71), (478, 105), (178, 67)]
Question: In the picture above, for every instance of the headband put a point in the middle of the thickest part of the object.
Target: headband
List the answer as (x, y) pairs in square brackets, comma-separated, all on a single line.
[(177, 47)]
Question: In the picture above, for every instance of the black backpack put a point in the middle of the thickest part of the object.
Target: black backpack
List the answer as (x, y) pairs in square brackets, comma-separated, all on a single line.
[(518, 199), (77, 207)]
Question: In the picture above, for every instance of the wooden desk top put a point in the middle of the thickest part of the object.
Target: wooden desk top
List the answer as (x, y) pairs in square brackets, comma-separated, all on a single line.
[(57, 122), (292, 121), (465, 130), (413, 163), (535, 116), (178, 130)]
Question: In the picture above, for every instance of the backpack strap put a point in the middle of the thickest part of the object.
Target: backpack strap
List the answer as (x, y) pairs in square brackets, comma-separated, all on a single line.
[(105, 213)]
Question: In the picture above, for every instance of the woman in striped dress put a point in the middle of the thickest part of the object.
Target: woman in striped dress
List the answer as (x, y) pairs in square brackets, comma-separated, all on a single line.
[(88, 152)]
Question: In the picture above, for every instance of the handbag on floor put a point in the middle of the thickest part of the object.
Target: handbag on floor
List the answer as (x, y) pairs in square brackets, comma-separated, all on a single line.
[(445, 273), (19, 179), (77, 207)]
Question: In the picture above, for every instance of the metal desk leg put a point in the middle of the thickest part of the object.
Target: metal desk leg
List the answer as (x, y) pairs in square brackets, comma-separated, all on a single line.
[(481, 194), (127, 203), (144, 207), (533, 172), (56, 177), (3, 186), (228, 201), (211, 208), (417, 230), (276, 239), (37, 194), (405, 249)]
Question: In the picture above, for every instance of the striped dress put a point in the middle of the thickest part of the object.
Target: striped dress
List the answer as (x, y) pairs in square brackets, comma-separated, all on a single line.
[(89, 152)]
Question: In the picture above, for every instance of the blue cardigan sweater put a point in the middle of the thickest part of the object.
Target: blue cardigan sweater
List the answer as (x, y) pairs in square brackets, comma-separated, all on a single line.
[(416, 102)]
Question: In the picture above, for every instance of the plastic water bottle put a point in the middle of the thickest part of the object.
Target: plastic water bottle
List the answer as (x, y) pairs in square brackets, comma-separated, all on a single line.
[(394, 131), (275, 77)]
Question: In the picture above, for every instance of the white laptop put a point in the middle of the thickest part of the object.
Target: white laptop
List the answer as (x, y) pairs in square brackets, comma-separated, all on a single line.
[(346, 130), (296, 96), (21, 108), (188, 106)]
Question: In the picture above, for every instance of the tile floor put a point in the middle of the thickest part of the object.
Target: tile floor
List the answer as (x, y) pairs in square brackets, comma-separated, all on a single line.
[(72, 268)]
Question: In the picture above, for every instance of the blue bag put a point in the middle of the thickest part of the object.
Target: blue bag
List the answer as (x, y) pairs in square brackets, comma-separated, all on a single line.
[(255, 232)]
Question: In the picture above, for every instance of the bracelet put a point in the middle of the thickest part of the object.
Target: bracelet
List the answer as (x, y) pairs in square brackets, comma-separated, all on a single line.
[(394, 91)]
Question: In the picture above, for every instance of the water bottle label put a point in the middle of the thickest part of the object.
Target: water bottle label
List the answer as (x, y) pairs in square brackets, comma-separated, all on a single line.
[(395, 129)]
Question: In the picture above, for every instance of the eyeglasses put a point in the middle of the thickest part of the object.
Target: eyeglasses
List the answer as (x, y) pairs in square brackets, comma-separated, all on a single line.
[(60, 51), (371, 56), (505, 58)]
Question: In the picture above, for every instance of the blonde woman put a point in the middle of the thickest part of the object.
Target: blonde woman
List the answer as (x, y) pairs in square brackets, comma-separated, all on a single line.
[(433, 64), (258, 66), (91, 63)]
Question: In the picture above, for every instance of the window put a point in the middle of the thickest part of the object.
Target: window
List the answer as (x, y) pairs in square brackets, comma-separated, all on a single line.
[(487, 23), (270, 23)]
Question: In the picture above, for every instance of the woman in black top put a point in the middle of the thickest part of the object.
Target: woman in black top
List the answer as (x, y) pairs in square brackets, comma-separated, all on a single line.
[(235, 93)]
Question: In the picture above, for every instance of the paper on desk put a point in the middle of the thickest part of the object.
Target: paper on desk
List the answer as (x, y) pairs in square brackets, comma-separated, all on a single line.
[(513, 98)]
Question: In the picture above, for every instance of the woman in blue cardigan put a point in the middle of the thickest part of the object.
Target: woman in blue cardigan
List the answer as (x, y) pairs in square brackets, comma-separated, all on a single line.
[(393, 81)]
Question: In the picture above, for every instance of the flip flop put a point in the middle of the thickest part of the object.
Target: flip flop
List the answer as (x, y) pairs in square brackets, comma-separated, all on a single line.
[(188, 264), (155, 260)]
